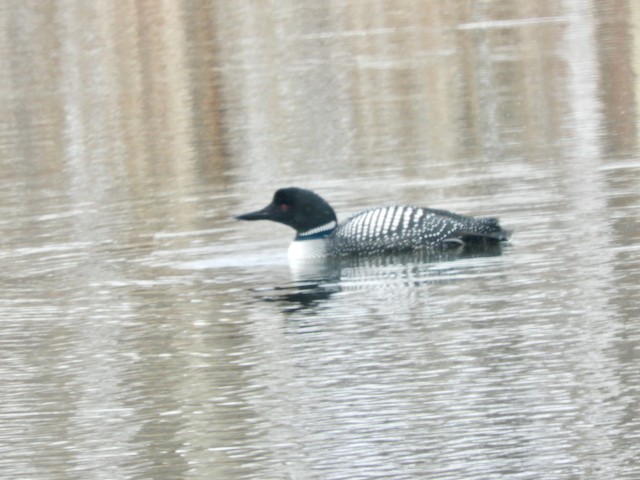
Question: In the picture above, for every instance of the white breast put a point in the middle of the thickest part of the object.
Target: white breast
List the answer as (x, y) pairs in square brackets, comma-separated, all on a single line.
[(302, 249)]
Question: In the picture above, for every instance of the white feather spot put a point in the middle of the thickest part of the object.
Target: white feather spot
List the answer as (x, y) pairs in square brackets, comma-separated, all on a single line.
[(396, 219), (406, 219), (375, 223), (387, 217)]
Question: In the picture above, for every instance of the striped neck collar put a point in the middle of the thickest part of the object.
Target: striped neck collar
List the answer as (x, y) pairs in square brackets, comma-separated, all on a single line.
[(322, 231)]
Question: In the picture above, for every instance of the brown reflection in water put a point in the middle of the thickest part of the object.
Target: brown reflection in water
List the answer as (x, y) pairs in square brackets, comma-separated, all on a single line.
[(150, 88)]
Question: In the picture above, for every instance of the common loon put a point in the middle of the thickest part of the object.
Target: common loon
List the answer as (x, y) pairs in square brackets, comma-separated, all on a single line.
[(390, 229)]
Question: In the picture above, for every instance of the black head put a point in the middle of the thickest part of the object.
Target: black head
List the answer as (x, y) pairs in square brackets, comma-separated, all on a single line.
[(298, 208)]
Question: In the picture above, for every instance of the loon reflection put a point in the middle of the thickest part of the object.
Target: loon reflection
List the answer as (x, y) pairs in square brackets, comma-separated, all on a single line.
[(316, 280)]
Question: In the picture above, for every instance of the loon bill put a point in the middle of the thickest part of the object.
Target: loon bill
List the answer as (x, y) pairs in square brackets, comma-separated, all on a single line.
[(389, 229)]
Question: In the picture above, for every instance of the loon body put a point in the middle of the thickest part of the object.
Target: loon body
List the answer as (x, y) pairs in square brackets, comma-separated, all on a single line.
[(390, 229)]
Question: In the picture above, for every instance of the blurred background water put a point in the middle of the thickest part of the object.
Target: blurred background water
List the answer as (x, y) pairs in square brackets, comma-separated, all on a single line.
[(145, 334)]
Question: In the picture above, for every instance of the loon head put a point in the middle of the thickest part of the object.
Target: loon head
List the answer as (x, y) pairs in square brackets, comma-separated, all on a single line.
[(303, 210)]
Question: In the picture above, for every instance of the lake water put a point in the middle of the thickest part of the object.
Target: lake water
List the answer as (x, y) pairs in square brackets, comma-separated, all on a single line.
[(146, 334)]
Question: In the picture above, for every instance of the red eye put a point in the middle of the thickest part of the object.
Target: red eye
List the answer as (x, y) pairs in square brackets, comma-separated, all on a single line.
[(284, 207)]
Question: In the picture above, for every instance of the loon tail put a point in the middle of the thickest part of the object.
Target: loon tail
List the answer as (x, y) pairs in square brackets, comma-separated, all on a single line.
[(485, 230)]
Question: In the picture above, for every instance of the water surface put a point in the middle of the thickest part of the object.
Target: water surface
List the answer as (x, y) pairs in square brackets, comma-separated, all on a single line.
[(146, 334)]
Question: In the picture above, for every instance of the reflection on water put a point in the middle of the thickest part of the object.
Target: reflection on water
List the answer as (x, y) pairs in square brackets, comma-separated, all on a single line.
[(315, 280), (144, 334)]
